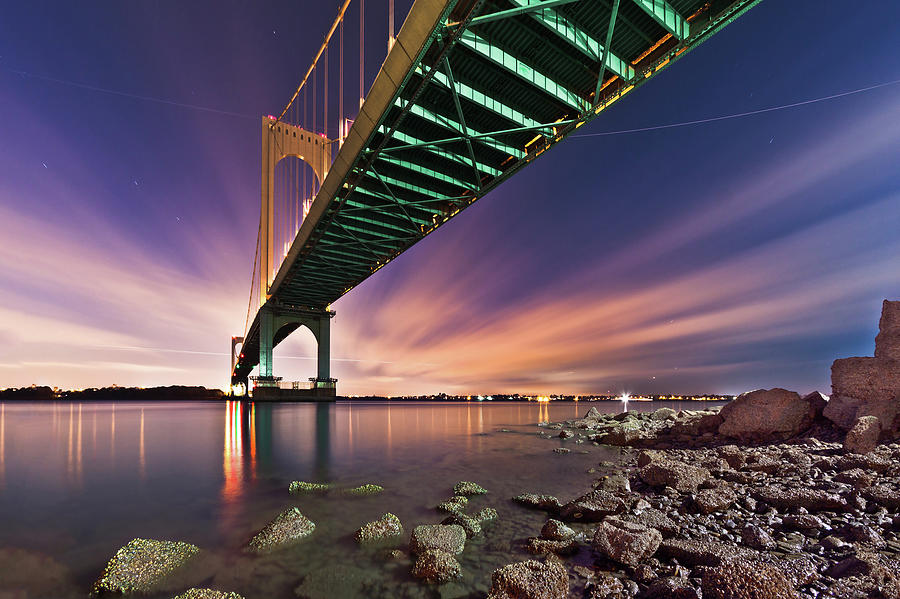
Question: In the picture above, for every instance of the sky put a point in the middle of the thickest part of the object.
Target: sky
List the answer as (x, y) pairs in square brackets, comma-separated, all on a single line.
[(715, 257)]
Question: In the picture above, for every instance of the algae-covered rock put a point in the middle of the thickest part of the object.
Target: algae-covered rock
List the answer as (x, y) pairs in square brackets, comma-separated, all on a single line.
[(454, 505), (364, 490), (288, 527), (467, 488), (530, 580), (207, 594), (485, 515), (469, 524), (142, 565), (338, 581), (299, 487), (436, 566), (386, 527), (548, 503), (450, 538)]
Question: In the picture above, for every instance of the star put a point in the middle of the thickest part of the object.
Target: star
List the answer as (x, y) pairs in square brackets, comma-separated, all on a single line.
[(45, 164)]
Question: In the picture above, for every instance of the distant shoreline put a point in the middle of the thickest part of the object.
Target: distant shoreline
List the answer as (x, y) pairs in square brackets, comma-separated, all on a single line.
[(186, 393)]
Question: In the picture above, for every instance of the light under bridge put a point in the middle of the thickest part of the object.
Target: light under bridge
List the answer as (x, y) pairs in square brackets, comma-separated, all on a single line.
[(470, 92)]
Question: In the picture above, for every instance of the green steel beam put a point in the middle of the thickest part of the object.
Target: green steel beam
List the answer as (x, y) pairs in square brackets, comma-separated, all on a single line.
[(462, 120), (396, 201), (663, 13), (424, 170), (452, 125), (580, 40), (522, 7), (519, 154), (609, 33), (351, 206), (413, 142), (522, 70), (410, 186), (486, 102)]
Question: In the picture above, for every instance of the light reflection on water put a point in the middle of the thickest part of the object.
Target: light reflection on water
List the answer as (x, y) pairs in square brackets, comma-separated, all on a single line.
[(78, 480)]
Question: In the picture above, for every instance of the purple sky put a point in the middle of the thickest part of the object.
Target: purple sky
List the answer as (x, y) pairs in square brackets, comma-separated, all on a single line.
[(716, 257)]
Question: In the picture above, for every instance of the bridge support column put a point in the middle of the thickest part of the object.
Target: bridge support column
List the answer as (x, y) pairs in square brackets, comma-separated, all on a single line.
[(324, 354), (266, 342)]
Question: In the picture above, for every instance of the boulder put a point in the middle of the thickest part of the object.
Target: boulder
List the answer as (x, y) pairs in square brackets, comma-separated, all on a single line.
[(301, 487), (708, 501), (862, 438), (471, 525), (654, 518), (626, 542), (592, 507), (767, 414), (812, 500), (864, 387), (386, 527), (450, 538), (485, 515), (454, 505), (143, 565), (664, 414), (364, 490), (755, 537), (673, 587), (287, 528), (530, 580), (696, 423), (701, 552), (677, 475), (887, 342), (540, 546), (743, 579), (436, 566)]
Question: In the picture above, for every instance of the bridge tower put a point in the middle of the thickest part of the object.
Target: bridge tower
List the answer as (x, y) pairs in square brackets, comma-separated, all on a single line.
[(276, 320)]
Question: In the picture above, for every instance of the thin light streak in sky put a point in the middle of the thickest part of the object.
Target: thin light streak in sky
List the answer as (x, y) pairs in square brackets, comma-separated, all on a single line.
[(738, 115)]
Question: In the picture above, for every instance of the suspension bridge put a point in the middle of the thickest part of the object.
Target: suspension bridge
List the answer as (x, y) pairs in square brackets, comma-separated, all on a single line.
[(470, 92)]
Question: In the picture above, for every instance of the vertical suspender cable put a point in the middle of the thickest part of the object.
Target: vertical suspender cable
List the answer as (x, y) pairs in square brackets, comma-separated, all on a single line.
[(390, 24), (341, 132), (325, 98), (362, 45)]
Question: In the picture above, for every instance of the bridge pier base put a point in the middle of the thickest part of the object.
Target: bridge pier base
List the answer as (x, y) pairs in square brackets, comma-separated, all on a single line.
[(275, 324)]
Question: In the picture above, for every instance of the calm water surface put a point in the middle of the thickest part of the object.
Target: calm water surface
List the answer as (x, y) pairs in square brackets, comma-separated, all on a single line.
[(79, 480)]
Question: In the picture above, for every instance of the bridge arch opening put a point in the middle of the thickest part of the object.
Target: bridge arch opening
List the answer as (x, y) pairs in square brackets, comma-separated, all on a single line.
[(295, 356), (296, 185)]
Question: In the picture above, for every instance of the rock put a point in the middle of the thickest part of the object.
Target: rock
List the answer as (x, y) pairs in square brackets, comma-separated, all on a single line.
[(548, 503), (562, 450), (694, 424), (672, 588), (884, 496), (743, 579), (539, 546), (207, 594), (865, 387), (714, 500), (622, 435), (436, 566), (386, 527), (817, 402), (287, 528), (592, 507), (453, 505), (868, 462), (450, 538), (678, 475), (555, 530), (143, 565), (757, 538), (664, 414), (882, 576), (696, 552), (605, 586), (626, 542), (614, 483), (766, 414), (813, 500), (566, 434), (857, 477), (800, 571), (803, 522), (299, 487), (485, 515), (654, 518), (333, 581), (733, 455), (887, 342), (860, 533), (863, 436), (364, 490), (593, 414), (530, 580), (467, 488), (469, 524)]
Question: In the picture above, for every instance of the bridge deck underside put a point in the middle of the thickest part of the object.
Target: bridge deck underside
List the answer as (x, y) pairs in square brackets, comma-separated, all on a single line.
[(493, 88)]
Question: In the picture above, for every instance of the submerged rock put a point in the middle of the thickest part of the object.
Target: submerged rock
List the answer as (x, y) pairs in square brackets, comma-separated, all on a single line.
[(338, 581), (436, 566), (626, 542), (207, 594), (450, 538), (548, 503), (364, 490), (555, 530), (485, 515), (530, 580), (386, 527), (539, 546), (299, 487), (468, 488), (471, 525), (455, 504), (287, 528), (142, 565)]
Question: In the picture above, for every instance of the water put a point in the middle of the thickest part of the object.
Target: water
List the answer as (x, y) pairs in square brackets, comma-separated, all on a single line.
[(79, 480)]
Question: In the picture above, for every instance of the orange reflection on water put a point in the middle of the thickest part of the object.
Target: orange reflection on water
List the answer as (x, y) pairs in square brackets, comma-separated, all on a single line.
[(2, 445), (240, 427)]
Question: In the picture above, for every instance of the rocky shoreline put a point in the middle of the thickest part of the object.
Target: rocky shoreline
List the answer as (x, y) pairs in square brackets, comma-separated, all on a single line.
[(773, 496)]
